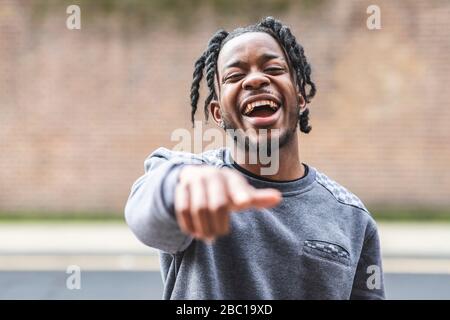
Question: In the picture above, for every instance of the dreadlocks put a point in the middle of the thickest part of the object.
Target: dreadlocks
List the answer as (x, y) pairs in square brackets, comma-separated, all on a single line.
[(207, 64)]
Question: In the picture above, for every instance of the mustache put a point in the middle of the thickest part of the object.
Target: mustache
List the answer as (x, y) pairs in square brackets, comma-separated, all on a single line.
[(260, 91)]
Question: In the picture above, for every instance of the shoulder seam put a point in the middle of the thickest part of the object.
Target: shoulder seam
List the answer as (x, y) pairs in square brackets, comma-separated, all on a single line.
[(335, 189)]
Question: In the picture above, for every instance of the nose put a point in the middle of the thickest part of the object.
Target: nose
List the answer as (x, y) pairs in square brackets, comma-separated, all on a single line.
[(255, 81)]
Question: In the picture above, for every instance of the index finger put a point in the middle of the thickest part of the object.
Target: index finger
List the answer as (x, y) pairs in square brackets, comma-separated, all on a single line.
[(265, 198), (243, 195)]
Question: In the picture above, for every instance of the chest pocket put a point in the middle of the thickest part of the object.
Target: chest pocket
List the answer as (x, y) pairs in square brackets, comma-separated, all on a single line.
[(327, 250)]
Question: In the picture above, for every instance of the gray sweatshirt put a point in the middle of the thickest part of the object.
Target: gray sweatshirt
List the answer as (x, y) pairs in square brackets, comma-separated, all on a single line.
[(320, 242)]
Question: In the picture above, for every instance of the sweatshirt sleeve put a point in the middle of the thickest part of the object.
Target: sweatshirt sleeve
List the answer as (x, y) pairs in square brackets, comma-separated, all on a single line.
[(149, 211), (369, 281)]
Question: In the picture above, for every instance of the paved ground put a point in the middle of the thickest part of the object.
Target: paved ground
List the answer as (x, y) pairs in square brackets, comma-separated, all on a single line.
[(34, 257), (148, 285), (397, 239), (94, 285)]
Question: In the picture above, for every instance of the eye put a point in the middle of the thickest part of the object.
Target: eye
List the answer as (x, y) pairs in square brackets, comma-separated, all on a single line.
[(275, 70), (233, 77)]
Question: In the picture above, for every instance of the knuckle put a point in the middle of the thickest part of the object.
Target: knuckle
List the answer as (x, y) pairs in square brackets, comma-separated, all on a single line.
[(185, 212), (197, 180), (203, 210), (200, 212), (219, 207), (195, 212)]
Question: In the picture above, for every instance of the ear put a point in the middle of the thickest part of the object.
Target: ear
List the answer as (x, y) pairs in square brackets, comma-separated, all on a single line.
[(301, 102), (214, 109)]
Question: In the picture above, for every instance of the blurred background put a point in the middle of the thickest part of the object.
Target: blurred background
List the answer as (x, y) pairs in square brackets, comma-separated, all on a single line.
[(80, 110)]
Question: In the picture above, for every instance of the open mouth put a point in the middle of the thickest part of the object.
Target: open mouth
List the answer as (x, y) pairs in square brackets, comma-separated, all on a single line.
[(261, 108), (262, 111)]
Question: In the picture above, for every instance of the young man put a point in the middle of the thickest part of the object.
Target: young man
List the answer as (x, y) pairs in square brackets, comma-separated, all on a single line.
[(226, 231)]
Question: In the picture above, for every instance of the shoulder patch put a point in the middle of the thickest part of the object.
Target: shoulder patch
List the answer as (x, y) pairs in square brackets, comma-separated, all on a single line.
[(339, 192), (213, 157)]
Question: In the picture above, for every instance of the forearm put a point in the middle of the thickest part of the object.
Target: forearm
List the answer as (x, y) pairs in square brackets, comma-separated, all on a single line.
[(149, 211)]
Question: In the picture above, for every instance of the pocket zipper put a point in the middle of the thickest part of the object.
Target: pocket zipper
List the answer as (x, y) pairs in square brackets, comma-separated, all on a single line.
[(327, 247)]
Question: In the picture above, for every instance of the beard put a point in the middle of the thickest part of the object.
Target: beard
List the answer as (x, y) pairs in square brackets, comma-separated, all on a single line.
[(264, 142)]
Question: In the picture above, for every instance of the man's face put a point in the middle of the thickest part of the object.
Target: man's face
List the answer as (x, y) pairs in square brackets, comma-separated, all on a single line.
[(256, 88)]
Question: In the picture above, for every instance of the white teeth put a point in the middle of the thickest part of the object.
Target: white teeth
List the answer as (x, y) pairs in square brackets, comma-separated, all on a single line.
[(250, 106)]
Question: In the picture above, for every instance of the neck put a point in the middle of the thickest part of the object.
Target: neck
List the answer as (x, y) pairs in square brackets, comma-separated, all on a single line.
[(288, 163)]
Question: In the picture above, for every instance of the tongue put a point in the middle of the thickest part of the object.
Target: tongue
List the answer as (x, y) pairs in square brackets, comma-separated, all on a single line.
[(261, 112)]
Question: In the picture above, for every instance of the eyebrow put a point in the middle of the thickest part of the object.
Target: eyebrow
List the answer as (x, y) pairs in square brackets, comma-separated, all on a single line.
[(263, 58)]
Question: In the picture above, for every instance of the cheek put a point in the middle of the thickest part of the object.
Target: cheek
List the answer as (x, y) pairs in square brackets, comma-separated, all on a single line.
[(291, 96), (229, 99)]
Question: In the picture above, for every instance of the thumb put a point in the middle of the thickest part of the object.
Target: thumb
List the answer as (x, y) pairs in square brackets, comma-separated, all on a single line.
[(265, 198)]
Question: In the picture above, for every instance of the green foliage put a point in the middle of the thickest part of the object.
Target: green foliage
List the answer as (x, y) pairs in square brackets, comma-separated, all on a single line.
[(381, 214), (399, 214), (183, 12), (60, 216)]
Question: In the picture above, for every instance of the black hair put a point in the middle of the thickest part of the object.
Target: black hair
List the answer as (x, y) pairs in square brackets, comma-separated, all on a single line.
[(207, 64)]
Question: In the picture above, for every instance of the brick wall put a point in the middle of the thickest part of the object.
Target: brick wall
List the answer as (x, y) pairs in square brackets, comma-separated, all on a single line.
[(80, 110)]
